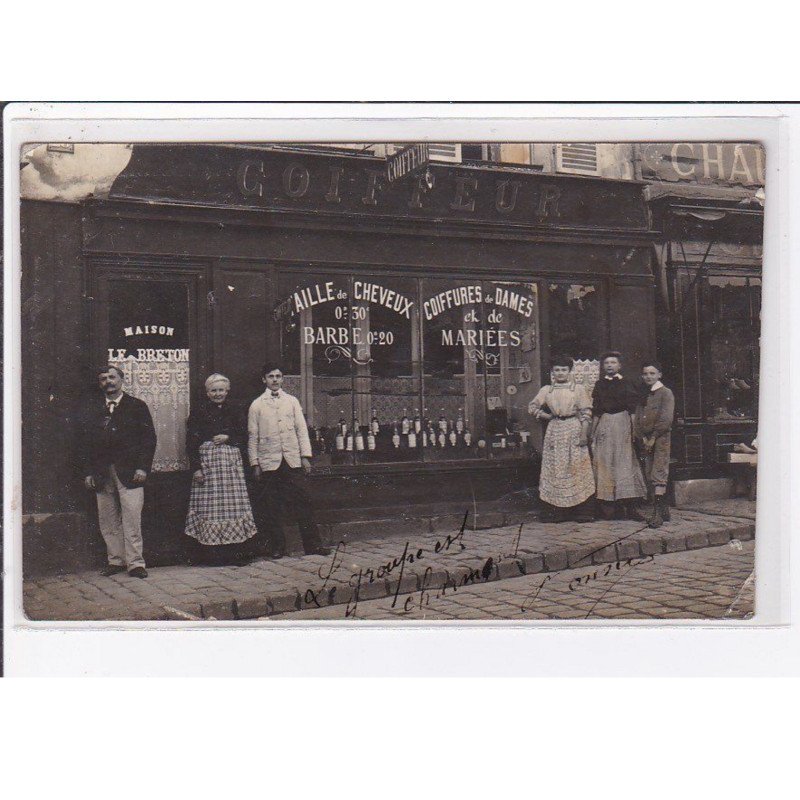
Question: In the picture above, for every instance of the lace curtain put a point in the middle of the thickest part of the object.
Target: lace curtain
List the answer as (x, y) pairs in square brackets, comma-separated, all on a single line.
[(164, 386)]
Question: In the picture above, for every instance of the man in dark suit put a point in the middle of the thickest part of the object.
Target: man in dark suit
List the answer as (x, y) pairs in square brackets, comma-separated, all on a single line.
[(117, 448)]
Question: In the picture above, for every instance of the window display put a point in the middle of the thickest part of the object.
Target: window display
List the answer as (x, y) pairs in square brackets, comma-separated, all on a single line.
[(575, 317), (393, 369), (733, 305)]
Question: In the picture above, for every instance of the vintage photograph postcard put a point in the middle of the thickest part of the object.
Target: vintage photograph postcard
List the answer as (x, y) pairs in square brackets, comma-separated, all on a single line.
[(402, 382)]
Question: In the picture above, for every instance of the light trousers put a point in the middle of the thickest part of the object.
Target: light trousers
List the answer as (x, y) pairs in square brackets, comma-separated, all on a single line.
[(119, 512)]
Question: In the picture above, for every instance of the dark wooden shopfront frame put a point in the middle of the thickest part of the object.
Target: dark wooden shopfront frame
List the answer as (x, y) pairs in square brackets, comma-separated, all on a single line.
[(211, 247)]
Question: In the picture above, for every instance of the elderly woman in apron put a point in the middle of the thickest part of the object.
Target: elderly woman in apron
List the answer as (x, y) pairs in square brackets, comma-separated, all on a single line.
[(220, 518), (620, 484), (566, 482)]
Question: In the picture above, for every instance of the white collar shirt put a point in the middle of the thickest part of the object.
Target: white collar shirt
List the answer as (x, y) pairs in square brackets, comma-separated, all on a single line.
[(277, 431), (656, 385)]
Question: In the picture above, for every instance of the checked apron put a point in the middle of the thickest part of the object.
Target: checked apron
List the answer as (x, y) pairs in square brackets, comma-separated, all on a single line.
[(219, 509)]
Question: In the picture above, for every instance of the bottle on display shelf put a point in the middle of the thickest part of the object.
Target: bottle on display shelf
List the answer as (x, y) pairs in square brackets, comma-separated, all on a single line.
[(375, 425), (395, 435), (349, 439), (359, 435), (341, 431), (443, 422), (412, 438), (431, 435), (424, 437), (370, 439), (319, 440), (405, 424), (417, 421), (467, 437), (442, 439), (460, 423), (453, 437)]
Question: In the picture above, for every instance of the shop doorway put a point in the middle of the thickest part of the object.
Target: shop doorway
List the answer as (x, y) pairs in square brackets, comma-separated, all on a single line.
[(145, 320)]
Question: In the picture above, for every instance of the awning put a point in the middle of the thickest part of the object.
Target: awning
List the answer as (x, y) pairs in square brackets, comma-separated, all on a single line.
[(725, 195), (702, 211)]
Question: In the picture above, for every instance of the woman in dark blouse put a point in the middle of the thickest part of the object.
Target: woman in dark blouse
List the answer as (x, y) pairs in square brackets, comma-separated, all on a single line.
[(220, 517), (617, 473)]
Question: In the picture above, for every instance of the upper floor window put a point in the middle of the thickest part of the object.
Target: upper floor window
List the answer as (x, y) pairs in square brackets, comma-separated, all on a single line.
[(580, 157)]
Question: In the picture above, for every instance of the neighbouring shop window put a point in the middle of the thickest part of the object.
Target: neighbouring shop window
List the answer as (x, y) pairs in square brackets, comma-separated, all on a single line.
[(731, 308), (576, 318), (403, 369), (148, 336)]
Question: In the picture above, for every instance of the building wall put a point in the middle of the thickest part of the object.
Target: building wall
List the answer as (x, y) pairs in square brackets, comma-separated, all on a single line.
[(54, 348)]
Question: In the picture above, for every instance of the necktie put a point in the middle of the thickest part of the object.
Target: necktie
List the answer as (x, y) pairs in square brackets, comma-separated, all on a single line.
[(111, 404), (274, 394)]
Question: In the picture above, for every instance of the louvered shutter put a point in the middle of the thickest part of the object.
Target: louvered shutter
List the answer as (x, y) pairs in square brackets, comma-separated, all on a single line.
[(439, 152), (580, 157)]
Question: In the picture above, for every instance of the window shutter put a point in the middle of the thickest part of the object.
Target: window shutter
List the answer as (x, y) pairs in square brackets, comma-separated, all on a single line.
[(580, 157), (439, 152)]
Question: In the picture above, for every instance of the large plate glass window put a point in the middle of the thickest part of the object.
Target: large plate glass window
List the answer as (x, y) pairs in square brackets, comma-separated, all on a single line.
[(732, 306)]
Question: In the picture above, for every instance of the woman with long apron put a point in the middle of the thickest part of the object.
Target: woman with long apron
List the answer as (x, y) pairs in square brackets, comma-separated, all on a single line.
[(220, 517), (566, 482), (619, 480)]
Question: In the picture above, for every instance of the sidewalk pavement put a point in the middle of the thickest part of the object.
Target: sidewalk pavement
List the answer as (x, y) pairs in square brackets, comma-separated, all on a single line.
[(379, 567), (713, 583)]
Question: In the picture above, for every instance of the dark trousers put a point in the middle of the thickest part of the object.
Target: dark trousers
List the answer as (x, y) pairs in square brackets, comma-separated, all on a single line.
[(280, 491)]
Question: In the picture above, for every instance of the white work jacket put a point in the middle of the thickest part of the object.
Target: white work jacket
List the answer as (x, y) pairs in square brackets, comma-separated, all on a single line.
[(276, 430)]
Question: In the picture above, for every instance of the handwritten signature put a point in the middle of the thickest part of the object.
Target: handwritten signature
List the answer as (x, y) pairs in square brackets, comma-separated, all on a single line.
[(331, 574)]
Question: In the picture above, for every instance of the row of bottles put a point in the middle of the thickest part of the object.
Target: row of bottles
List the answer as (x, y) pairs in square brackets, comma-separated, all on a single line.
[(408, 432)]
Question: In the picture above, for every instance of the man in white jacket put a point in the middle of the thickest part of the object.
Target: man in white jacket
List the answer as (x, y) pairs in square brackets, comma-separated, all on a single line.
[(279, 451)]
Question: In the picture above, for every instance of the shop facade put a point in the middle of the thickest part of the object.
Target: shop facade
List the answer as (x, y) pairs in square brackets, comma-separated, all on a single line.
[(414, 318), (708, 206)]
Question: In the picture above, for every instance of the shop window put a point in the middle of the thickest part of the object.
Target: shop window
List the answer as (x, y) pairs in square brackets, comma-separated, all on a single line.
[(731, 306), (148, 337), (347, 344), (576, 318), (393, 369), (479, 363)]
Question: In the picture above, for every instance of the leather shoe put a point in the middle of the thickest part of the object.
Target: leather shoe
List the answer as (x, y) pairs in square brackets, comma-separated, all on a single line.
[(276, 555), (111, 569), (320, 551), (138, 572)]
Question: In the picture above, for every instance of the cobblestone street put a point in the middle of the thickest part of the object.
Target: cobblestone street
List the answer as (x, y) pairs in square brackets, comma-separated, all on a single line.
[(514, 559), (698, 584)]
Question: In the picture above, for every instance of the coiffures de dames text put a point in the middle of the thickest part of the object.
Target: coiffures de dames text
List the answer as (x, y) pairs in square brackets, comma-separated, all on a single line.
[(335, 578)]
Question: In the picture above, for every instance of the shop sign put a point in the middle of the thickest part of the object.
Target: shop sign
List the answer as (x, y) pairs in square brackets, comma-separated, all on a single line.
[(351, 336), (360, 187), (700, 162), (407, 161)]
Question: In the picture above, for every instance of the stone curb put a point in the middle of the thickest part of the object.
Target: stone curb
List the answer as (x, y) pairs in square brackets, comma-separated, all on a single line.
[(647, 542)]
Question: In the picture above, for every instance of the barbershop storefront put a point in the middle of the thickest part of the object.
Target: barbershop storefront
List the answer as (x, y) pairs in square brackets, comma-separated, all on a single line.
[(414, 318)]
